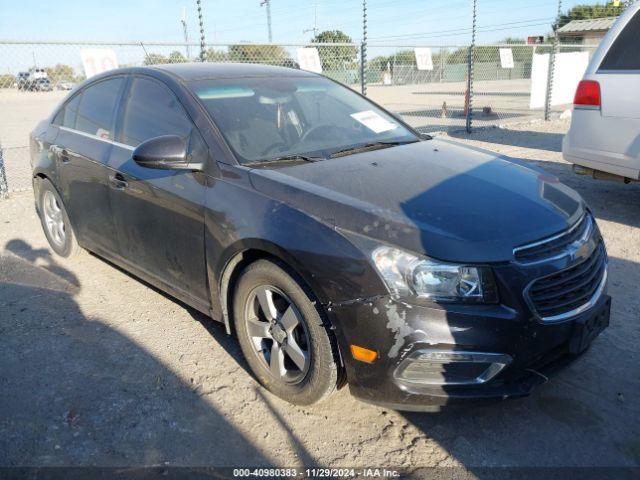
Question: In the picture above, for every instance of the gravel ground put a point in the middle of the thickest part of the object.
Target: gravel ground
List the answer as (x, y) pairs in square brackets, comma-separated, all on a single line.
[(97, 368)]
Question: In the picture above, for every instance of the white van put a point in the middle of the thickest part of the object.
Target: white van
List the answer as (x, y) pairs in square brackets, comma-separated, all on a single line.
[(604, 138)]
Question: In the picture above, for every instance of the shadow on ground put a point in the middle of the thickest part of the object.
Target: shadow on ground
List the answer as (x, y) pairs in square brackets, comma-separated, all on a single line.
[(75, 391)]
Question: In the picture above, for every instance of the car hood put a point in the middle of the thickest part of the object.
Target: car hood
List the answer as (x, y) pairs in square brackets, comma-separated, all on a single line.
[(443, 199)]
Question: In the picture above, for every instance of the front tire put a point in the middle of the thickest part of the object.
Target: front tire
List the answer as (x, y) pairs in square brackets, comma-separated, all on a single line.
[(285, 341), (55, 221)]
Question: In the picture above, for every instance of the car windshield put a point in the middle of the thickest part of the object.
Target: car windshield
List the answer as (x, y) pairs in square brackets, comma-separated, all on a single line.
[(270, 118)]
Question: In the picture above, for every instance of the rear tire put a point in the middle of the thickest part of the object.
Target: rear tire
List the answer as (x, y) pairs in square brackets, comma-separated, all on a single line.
[(55, 221), (283, 336)]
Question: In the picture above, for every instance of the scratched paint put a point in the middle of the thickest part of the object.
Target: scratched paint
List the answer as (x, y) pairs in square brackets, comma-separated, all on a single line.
[(398, 325)]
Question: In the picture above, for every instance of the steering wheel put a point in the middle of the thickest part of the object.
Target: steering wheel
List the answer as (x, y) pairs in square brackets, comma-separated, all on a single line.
[(272, 147), (318, 128)]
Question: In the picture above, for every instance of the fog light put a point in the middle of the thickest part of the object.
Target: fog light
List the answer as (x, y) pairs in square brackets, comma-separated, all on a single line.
[(441, 367)]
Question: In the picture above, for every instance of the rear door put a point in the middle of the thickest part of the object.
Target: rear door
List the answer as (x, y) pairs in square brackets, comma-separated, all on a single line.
[(159, 214), (81, 152)]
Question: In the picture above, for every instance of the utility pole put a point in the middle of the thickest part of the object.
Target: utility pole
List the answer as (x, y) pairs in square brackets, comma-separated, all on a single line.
[(363, 50), (315, 22), (267, 3), (202, 44), (185, 32)]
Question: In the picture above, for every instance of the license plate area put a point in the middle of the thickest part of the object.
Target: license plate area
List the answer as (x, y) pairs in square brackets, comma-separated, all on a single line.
[(587, 329)]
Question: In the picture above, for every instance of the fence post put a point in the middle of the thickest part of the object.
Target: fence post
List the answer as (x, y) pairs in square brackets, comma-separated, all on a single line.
[(202, 44), (363, 50), (552, 64), (470, 70), (4, 188)]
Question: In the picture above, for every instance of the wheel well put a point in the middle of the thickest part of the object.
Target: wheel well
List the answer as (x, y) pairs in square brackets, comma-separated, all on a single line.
[(230, 276), (36, 188)]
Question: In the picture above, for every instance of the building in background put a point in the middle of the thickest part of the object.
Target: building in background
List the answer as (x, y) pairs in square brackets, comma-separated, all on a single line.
[(585, 32)]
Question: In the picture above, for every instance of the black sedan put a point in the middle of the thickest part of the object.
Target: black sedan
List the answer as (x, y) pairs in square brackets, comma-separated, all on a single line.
[(337, 243)]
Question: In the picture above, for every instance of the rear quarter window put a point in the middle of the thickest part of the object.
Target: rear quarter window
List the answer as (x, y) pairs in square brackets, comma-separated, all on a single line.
[(624, 53), (67, 115)]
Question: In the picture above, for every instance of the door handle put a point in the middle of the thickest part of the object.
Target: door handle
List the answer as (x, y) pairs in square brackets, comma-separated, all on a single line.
[(117, 181), (61, 153)]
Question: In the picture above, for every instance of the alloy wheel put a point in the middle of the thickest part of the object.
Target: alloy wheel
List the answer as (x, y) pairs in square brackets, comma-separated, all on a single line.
[(278, 334), (53, 218)]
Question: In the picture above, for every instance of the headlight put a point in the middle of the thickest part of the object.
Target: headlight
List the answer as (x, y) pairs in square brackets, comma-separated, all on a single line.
[(409, 275)]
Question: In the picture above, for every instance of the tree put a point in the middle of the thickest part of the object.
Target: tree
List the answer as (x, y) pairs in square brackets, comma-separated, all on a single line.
[(7, 80), (177, 57), (249, 53), (61, 73), (336, 57), (402, 57), (158, 58), (513, 41), (212, 55), (585, 12), (155, 59)]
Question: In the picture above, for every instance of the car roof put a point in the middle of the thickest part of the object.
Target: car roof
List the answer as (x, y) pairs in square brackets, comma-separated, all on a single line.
[(203, 71)]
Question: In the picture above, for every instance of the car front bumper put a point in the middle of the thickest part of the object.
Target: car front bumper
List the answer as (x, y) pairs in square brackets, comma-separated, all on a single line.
[(464, 353)]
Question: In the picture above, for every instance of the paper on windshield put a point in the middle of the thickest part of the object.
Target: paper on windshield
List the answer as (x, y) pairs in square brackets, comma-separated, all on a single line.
[(373, 121)]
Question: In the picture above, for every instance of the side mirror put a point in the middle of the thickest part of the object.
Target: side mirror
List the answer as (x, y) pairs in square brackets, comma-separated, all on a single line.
[(167, 152)]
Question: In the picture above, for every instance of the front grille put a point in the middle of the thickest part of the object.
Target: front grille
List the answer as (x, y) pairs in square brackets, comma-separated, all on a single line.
[(556, 245), (565, 293)]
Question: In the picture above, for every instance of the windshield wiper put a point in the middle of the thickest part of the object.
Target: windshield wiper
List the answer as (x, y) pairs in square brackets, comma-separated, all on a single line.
[(288, 158), (370, 146)]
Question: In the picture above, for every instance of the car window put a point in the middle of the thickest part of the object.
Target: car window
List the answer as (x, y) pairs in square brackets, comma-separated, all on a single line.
[(624, 53), (66, 117), (97, 107), (152, 110)]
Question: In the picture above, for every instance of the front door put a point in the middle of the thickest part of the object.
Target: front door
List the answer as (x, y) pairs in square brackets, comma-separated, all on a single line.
[(158, 214)]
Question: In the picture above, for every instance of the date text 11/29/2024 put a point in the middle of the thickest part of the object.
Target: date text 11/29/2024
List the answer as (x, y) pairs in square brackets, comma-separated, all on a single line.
[(316, 472)]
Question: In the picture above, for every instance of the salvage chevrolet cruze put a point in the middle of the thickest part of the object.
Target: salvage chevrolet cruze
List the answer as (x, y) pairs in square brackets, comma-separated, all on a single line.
[(338, 244)]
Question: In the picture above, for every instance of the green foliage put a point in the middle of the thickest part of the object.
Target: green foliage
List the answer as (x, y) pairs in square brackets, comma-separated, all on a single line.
[(491, 54), (212, 55), (586, 11), (336, 57), (177, 57), (402, 57), (155, 59), (513, 41), (7, 80), (158, 58), (61, 73), (269, 54), (458, 56)]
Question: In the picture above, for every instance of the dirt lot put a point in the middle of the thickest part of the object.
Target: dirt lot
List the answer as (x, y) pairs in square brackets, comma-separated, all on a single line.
[(97, 368)]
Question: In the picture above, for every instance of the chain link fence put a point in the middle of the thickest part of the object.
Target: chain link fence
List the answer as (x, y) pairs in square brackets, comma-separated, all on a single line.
[(35, 77)]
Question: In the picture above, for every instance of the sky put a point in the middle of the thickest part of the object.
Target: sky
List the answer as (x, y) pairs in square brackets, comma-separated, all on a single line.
[(436, 22), (390, 22)]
